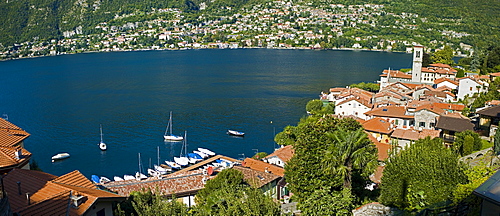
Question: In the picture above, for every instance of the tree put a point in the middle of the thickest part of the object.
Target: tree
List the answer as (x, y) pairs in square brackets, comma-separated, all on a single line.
[(423, 174), (227, 194), (314, 106), (443, 56), (325, 202), (460, 141), (348, 152), (468, 145), (496, 143), (147, 203)]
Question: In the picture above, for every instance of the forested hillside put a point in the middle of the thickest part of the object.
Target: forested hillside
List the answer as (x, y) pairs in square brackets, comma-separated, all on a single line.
[(42, 20)]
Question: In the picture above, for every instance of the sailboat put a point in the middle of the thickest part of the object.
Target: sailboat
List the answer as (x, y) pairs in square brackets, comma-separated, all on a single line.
[(183, 160), (102, 145), (168, 132), (139, 175)]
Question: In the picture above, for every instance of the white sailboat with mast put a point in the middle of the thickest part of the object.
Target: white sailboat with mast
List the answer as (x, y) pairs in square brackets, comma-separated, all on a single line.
[(168, 132)]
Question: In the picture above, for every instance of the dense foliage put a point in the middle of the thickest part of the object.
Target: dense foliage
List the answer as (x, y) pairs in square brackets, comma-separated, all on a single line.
[(227, 194), (423, 174), (312, 172), (474, 144), (146, 202), (373, 87)]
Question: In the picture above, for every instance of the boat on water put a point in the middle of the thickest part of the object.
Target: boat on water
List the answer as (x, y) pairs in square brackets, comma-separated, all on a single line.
[(118, 178), (128, 177), (153, 172), (60, 156), (169, 136), (194, 158), (162, 170), (102, 145), (235, 133), (183, 161), (95, 179), (201, 154), (104, 180), (140, 176), (206, 151), (174, 165)]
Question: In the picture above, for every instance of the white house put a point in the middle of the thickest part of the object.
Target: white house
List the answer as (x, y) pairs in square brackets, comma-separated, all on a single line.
[(467, 86), (353, 106)]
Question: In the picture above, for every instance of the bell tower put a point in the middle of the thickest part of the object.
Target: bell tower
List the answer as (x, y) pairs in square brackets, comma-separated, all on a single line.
[(416, 69)]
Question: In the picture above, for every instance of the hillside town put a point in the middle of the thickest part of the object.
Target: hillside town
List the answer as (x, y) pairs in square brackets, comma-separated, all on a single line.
[(274, 25)]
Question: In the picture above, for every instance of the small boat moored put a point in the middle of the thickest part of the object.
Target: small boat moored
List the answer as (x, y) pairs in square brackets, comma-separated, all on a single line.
[(235, 133), (118, 178), (60, 156)]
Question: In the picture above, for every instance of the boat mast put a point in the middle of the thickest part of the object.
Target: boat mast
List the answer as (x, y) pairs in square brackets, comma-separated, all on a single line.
[(101, 131), (170, 123), (158, 153)]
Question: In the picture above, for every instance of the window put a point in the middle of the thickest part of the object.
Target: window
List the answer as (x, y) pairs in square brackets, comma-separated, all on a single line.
[(421, 124), (418, 54), (397, 121)]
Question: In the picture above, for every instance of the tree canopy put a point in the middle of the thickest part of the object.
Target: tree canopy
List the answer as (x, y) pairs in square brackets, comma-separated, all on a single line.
[(423, 174)]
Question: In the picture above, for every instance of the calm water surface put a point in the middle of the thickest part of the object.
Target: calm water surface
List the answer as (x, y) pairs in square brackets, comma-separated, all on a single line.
[(62, 100)]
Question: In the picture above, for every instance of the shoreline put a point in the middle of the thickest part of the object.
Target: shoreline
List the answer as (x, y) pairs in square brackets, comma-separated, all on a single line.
[(183, 49)]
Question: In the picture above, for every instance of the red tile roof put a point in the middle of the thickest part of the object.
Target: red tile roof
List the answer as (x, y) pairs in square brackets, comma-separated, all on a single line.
[(444, 79), (389, 111), (378, 125), (256, 178), (263, 166), (284, 154), (377, 176), (48, 191), (9, 160), (178, 183), (10, 134), (395, 74)]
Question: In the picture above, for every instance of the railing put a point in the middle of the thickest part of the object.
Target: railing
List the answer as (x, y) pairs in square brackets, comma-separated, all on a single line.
[(448, 138)]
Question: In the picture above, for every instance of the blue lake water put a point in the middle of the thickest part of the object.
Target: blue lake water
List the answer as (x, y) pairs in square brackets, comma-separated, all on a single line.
[(62, 100)]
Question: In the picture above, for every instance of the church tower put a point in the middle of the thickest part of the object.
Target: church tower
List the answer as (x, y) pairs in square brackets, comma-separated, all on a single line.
[(416, 69)]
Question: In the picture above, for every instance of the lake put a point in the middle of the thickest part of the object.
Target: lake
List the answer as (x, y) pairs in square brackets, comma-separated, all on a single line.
[(61, 101)]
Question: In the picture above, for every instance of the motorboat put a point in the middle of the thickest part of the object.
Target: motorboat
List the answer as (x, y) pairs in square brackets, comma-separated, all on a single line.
[(235, 133), (162, 170), (194, 158), (60, 156), (173, 165), (206, 151), (104, 180), (128, 177), (153, 172), (203, 155), (169, 136), (102, 145), (118, 178), (95, 179), (140, 176), (183, 161)]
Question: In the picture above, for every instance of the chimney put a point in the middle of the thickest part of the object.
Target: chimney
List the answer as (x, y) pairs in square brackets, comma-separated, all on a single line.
[(18, 154), (267, 170), (19, 187), (28, 198)]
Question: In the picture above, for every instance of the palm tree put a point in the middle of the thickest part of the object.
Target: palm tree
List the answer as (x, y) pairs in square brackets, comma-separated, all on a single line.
[(349, 151)]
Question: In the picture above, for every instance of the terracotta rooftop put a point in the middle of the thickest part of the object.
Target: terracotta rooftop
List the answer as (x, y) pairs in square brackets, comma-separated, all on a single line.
[(178, 183), (395, 74), (377, 176), (443, 79), (263, 166), (10, 134), (389, 111), (383, 148), (256, 178), (284, 154), (361, 101), (8, 158), (48, 192), (378, 125)]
